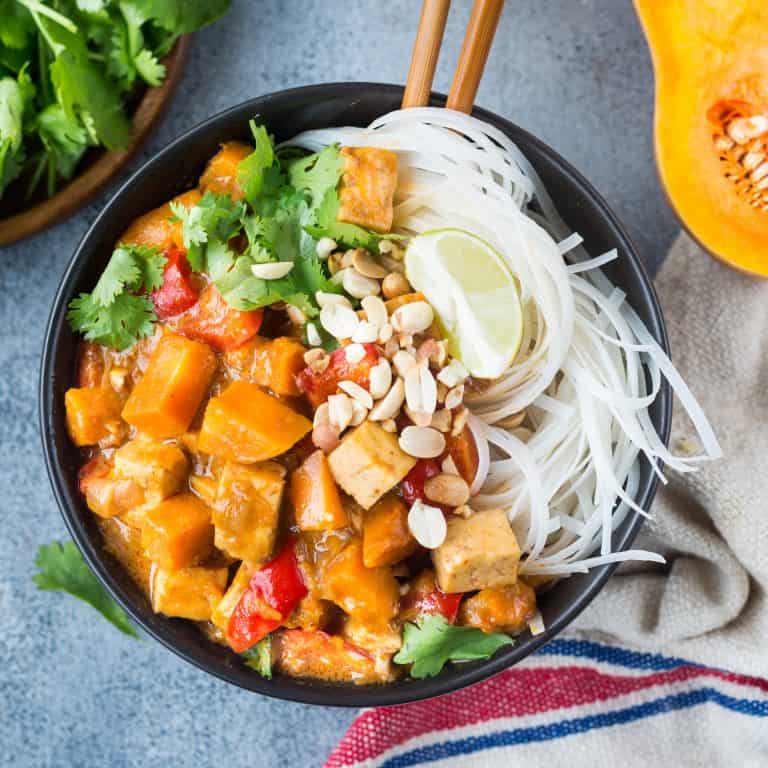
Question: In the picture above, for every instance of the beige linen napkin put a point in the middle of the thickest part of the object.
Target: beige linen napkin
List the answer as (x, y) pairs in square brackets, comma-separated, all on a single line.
[(708, 604)]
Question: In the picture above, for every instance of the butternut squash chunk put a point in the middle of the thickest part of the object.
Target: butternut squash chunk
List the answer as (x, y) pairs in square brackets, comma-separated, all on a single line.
[(386, 536), (177, 532), (315, 497), (246, 425), (272, 363), (501, 609), (369, 594), (90, 413), (165, 400), (246, 510), (156, 229), (189, 593), (220, 175)]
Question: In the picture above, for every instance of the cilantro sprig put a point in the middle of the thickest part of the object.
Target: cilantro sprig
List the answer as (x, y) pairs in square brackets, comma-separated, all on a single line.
[(259, 657), (433, 642), (61, 567), (66, 69), (115, 314)]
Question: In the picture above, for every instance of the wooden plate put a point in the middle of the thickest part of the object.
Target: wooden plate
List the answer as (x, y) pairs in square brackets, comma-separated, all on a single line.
[(105, 165)]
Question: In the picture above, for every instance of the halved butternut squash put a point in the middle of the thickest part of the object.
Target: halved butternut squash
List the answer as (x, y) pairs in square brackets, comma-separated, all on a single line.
[(711, 123)]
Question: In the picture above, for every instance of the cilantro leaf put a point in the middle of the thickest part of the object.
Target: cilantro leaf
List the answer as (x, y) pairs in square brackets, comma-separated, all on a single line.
[(182, 16), (259, 173), (61, 567), (126, 319), (432, 642), (317, 173), (65, 140), (259, 657), (350, 235), (11, 131), (150, 69), (122, 271)]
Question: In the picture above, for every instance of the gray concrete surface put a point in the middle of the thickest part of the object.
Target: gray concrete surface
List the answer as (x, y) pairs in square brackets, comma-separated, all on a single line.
[(73, 691)]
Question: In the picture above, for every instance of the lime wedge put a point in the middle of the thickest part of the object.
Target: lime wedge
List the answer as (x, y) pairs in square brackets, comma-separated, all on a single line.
[(474, 294)]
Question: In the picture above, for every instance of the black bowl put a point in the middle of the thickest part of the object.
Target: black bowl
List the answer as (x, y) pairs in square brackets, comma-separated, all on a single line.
[(175, 169)]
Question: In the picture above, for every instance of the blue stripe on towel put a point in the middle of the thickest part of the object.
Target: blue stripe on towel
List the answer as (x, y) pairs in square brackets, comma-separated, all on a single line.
[(562, 728), (585, 649)]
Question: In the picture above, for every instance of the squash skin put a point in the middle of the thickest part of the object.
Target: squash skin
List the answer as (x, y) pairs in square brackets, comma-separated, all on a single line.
[(703, 53)]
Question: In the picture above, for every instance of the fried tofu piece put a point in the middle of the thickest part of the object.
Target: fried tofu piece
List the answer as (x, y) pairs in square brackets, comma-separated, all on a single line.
[(177, 532), (480, 551), (92, 414), (247, 508), (369, 462), (501, 609), (367, 187), (158, 468), (189, 593), (106, 494), (222, 611)]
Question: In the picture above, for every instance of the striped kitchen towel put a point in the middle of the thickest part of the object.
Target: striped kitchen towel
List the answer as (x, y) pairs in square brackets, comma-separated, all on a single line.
[(575, 704)]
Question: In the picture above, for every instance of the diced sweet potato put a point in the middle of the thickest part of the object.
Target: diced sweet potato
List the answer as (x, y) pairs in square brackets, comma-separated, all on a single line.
[(189, 593), (165, 400), (386, 536), (370, 594), (272, 363), (220, 175), (204, 488), (368, 187), (156, 228), (478, 552), (246, 510), (223, 609), (177, 532), (245, 424), (368, 463), (501, 609), (328, 657), (123, 542), (315, 497), (158, 468), (213, 321), (384, 639), (106, 494), (92, 414)]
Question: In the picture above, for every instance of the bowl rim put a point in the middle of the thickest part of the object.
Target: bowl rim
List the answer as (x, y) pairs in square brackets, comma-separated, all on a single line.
[(363, 696)]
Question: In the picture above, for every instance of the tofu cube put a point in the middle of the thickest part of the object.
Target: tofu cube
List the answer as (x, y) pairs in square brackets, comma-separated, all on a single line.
[(367, 187), (189, 593), (222, 611), (478, 552), (247, 508), (106, 494), (158, 468), (368, 463), (177, 532)]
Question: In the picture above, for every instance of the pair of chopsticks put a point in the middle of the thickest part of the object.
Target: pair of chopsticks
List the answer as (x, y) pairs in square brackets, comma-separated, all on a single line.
[(474, 53)]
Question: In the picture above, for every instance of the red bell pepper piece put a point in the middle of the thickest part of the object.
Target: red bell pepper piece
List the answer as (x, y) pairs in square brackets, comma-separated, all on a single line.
[(317, 386), (177, 293), (213, 321), (444, 603), (272, 594)]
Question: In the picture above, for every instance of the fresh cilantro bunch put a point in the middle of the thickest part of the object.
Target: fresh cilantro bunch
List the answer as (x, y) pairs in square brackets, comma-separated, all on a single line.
[(428, 645), (61, 567), (117, 313), (66, 69)]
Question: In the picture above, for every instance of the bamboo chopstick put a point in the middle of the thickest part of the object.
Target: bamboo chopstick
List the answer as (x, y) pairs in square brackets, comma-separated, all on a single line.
[(474, 53), (426, 50)]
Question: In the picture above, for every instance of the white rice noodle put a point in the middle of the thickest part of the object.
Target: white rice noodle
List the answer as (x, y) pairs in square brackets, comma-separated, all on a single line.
[(587, 371)]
